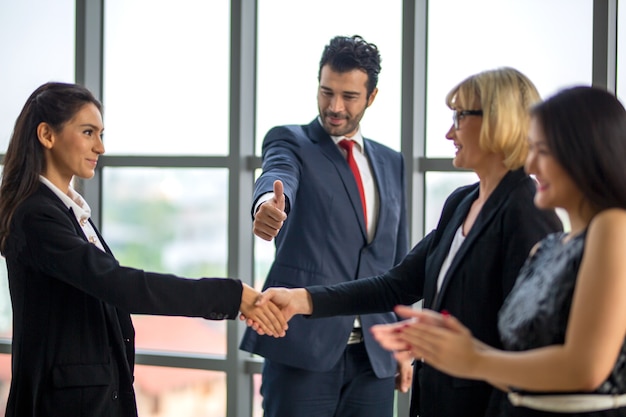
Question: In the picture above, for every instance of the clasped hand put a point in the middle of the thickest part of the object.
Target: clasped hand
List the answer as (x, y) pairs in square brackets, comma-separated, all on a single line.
[(266, 316), (287, 301)]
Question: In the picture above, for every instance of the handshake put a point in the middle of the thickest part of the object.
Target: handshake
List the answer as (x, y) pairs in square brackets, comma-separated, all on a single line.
[(268, 312)]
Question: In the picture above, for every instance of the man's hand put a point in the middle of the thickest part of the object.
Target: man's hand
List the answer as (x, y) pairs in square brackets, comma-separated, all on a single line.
[(267, 317), (270, 216)]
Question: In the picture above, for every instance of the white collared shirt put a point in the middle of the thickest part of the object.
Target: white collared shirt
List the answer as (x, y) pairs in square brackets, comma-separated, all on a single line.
[(367, 178), (79, 206), (454, 248)]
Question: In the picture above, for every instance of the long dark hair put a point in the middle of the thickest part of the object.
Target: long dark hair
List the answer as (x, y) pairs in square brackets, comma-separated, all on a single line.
[(585, 130), (52, 103)]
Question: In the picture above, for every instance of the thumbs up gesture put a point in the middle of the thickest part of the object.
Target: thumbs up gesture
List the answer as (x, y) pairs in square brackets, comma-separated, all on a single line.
[(271, 214)]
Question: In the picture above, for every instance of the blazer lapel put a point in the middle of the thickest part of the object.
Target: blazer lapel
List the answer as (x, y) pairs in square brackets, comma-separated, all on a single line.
[(331, 151), (439, 256), (377, 165), (487, 213)]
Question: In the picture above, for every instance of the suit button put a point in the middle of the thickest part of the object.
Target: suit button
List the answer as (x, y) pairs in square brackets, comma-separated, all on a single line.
[(212, 316), (114, 395), (220, 316)]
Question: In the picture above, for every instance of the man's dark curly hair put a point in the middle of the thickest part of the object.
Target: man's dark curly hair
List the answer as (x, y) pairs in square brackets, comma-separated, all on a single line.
[(347, 53)]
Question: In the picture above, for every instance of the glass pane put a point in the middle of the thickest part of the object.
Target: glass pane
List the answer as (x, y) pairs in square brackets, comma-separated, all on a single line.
[(289, 50), (170, 220), (175, 392), (5, 380), (37, 46), (264, 252), (257, 399), (439, 185), (166, 76), (549, 41)]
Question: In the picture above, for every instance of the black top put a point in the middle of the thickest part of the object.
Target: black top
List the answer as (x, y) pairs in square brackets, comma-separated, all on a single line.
[(537, 310)]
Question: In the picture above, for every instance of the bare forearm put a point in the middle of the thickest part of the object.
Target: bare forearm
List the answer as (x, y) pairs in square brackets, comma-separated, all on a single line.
[(545, 369)]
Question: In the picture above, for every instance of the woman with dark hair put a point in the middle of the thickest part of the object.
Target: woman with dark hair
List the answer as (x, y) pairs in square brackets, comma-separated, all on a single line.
[(73, 339), (564, 322)]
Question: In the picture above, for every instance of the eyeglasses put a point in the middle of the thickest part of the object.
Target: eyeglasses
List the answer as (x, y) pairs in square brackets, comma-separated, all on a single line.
[(458, 115)]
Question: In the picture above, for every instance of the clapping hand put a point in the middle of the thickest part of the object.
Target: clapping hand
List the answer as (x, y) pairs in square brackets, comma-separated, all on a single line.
[(404, 336), (436, 338)]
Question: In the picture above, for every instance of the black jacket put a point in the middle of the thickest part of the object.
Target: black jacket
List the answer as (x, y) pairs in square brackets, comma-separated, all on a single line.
[(73, 339)]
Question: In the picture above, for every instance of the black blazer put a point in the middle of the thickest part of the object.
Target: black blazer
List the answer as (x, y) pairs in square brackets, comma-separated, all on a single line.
[(474, 287), (323, 241), (73, 339)]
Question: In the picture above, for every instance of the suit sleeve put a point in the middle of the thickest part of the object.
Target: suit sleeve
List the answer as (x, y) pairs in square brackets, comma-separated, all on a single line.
[(403, 284), (281, 161), (44, 238)]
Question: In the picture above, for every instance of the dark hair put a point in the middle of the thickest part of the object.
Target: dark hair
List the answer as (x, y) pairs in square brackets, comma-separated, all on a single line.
[(52, 103), (345, 54), (585, 130)]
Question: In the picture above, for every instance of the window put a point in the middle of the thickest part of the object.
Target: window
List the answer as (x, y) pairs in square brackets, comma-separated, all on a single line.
[(33, 52), (289, 51), (166, 77), (170, 220), (468, 37), (173, 392)]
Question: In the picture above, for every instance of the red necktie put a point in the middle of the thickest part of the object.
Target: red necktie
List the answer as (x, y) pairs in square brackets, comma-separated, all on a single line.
[(348, 144)]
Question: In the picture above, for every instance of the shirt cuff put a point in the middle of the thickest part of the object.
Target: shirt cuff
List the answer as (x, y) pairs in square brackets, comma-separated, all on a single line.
[(261, 200)]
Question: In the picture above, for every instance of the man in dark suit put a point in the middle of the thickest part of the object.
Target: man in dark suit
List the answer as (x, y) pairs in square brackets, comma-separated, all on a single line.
[(335, 202)]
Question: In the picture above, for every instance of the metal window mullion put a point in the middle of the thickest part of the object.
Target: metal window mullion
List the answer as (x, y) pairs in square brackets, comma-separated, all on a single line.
[(413, 142), (241, 180), (89, 52), (604, 73)]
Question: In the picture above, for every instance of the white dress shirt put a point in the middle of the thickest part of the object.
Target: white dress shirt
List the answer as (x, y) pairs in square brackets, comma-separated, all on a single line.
[(454, 248), (79, 206)]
